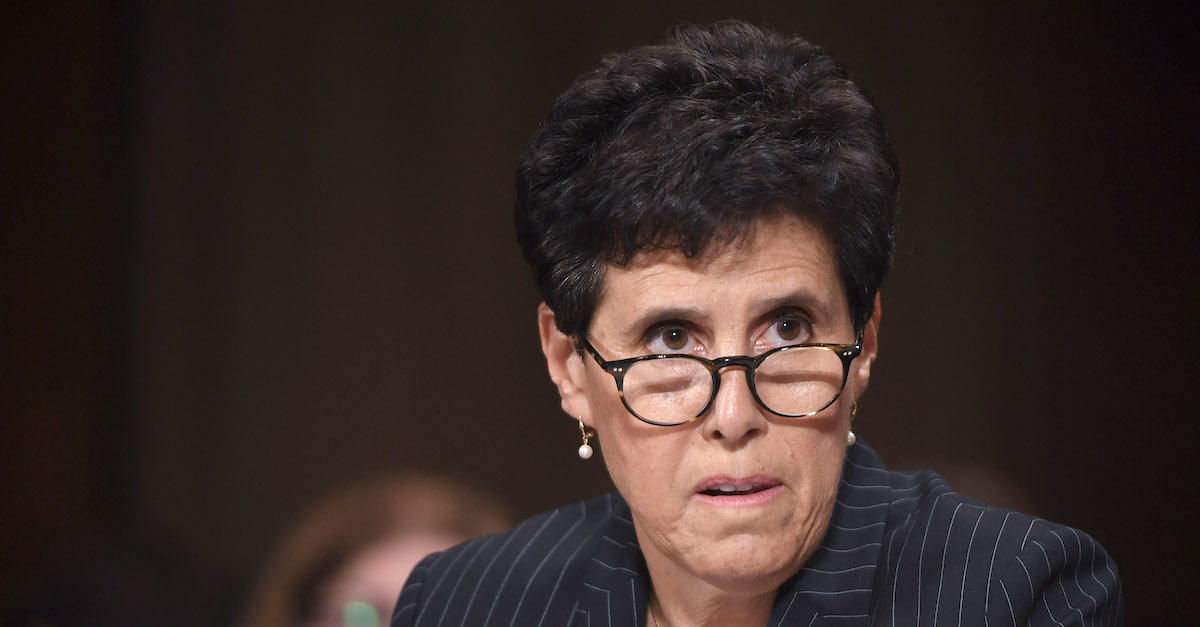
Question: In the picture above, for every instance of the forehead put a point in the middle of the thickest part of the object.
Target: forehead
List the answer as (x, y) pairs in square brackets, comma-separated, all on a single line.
[(781, 258)]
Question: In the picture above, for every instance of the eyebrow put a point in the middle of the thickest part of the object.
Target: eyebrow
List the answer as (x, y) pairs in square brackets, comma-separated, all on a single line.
[(802, 299), (637, 327)]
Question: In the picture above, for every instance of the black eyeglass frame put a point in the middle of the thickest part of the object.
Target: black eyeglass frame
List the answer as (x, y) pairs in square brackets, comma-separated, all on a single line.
[(618, 367)]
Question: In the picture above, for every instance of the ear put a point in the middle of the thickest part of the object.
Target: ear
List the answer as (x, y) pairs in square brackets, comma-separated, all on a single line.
[(566, 368), (861, 368)]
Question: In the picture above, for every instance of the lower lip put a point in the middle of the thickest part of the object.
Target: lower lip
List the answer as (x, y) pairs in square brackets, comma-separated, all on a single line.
[(754, 499)]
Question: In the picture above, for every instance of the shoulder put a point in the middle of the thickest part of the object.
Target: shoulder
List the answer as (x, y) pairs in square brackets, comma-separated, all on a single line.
[(527, 571), (946, 554)]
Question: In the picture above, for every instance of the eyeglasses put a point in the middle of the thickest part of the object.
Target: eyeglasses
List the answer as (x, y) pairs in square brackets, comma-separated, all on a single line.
[(790, 381)]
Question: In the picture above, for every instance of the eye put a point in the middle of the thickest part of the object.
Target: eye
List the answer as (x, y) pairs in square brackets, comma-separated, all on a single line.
[(670, 340), (789, 329), (675, 339)]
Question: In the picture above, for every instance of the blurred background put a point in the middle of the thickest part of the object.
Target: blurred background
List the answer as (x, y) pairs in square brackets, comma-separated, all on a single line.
[(253, 252)]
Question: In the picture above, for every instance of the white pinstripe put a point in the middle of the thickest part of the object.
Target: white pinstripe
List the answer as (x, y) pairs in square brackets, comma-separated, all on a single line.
[(610, 566), (892, 541), (1075, 573), (962, 589), (1004, 589), (633, 598), (516, 560), (460, 578), (921, 555), (1108, 566), (896, 581), (608, 596), (987, 596), (789, 608), (1050, 613), (810, 592), (541, 564), (558, 582), (853, 549), (1028, 578), (1026, 538), (439, 583), (836, 572), (486, 570), (1092, 566), (1049, 568), (937, 604)]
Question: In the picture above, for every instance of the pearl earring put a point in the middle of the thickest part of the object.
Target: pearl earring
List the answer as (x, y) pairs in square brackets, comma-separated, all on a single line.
[(585, 449)]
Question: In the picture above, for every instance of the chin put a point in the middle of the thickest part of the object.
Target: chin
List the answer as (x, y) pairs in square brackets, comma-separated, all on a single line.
[(748, 564)]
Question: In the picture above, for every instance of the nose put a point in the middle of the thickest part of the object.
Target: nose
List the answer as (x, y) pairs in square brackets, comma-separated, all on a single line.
[(735, 417)]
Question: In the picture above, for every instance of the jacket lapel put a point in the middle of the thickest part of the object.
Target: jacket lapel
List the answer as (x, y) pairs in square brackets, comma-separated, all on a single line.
[(614, 588)]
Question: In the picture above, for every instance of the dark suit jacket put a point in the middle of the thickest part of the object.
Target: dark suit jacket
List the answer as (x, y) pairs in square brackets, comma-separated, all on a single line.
[(901, 549)]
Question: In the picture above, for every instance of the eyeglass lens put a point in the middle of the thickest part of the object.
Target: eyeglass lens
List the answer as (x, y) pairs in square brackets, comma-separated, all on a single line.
[(674, 390)]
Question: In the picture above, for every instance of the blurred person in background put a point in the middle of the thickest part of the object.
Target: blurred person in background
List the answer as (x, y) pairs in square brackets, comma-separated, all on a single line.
[(344, 561)]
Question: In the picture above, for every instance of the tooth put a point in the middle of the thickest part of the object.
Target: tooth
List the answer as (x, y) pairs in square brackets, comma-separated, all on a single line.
[(725, 487), (745, 487)]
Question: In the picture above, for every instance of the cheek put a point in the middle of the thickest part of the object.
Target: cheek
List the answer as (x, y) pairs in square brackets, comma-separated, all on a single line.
[(629, 458), (823, 467), (604, 406), (814, 454), (608, 417), (640, 458)]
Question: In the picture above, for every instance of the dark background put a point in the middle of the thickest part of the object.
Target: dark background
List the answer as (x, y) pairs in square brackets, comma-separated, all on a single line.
[(251, 254)]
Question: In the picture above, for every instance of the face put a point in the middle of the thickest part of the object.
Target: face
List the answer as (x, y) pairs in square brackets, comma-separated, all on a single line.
[(778, 287), (363, 591)]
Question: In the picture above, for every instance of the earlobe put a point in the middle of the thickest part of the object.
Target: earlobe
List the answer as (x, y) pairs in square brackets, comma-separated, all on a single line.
[(564, 365)]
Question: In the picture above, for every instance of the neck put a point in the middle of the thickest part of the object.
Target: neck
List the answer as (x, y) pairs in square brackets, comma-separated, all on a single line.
[(732, 612)]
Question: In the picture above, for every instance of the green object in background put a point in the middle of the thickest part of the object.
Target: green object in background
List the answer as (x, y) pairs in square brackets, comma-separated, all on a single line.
[(360, 614)]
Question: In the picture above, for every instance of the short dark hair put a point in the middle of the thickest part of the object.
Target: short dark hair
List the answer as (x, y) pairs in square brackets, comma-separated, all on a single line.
[(694, 139)]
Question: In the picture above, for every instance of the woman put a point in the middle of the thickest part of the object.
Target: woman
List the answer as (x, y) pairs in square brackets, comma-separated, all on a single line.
[(343, 562), (709, 221)]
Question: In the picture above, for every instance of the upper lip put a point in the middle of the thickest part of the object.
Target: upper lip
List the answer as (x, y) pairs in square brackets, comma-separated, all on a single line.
[(715, 481)]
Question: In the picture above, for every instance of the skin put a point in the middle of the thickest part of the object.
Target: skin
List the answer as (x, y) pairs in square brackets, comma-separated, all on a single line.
[(375, 575), (714, 563)]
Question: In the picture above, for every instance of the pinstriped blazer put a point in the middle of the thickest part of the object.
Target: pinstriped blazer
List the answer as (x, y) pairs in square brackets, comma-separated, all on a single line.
[(901, 549)]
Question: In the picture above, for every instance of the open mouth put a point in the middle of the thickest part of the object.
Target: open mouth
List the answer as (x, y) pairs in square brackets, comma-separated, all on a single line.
[(730, 489)]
